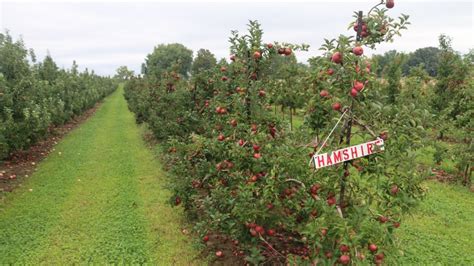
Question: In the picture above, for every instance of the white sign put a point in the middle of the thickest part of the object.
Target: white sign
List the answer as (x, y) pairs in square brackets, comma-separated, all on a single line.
[(347, 154)]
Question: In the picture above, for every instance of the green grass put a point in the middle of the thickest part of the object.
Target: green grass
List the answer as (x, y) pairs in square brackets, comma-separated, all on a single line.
[(99, 198), (441, 231)]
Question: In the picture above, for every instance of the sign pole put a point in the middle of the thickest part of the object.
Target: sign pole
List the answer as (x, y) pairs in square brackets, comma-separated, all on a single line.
[(348, 128)]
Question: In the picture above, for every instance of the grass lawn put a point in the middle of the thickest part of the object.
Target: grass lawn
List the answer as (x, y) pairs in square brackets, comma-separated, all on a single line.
[(441, 229), (99, 198)]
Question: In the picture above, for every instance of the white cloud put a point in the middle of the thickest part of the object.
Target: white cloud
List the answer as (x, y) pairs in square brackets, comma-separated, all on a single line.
[(104, 35)]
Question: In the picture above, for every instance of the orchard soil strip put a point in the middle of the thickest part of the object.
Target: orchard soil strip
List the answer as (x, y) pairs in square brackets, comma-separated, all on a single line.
[(102, 200)]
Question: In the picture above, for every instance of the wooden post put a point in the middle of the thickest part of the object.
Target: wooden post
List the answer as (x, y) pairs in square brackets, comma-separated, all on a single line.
[(348, 129)]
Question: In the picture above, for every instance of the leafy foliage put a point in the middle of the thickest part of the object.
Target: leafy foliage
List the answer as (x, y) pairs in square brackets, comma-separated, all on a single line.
[(35, 97), (241, 175), (167, 57)]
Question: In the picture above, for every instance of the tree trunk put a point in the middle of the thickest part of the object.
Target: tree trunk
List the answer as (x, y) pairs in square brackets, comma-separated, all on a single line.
[(291, 120)]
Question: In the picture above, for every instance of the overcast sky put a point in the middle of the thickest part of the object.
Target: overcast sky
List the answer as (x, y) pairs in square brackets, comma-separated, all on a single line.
[(105, 35)]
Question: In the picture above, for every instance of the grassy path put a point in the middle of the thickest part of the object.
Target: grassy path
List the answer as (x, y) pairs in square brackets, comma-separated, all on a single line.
[(98, 199), (441, 230)]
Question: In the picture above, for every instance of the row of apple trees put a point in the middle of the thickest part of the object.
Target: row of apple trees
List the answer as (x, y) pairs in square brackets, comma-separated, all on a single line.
[(36, 96), (244, 177)]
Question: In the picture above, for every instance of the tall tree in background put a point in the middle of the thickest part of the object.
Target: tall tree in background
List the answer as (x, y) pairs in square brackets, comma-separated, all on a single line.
[(470, 57), (382, 61), (428, 57), (124, 73), (205, 60), (168, 57)]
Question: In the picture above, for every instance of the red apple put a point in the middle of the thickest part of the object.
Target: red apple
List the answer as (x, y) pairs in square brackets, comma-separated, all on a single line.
[(344, 259), (233, 123), (219, 254), (378, 259), (223, 69), (394, 190), (383, 219), (364, 26), (256, 148), (330, 71), (324, 231), (344, 248), (358, 85), (270, 45), (253, 232), (261, 93), (358, 50), (257, 156), (257, 55), (260, 229), (336, 106), (356, 26), (390, 3), (281, 50), (314, 188), (224, 78), (221, 137), (373, 248), (331, 201), (232, 57), (288, 51), (241, 142), (354, 92), (324, 93), (205, 238), (270, 232), (177, 201), (336, 58)]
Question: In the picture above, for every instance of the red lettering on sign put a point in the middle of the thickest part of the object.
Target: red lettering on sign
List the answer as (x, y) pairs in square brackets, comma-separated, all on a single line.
[(354, 152), (320, 161), (329, 161), (346, 154), (369, 148), (337, 156)]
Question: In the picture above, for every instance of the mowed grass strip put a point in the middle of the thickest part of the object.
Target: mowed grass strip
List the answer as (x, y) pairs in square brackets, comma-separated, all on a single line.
[(441, 230), (102, 200)]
